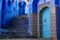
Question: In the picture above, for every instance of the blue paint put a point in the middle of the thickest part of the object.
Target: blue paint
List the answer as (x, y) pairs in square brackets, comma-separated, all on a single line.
[(46, 23), (2, 11), (9, 10), (58, 18), (57, 2), (22, 8), (34, 6), (44, 1), (52, 2), (58, 23)]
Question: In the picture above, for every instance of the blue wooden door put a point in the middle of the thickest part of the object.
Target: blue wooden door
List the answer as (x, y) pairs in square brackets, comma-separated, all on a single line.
[(46, 23)]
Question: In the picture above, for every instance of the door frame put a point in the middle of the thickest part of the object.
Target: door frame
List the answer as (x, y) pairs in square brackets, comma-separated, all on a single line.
[(53, 28), (41, 21), (41, 7)]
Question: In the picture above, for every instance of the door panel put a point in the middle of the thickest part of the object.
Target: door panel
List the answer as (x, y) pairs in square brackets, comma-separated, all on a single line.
[(46, 23)]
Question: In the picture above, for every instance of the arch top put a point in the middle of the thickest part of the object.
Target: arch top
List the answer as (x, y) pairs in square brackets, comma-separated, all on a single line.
[(44, 8)]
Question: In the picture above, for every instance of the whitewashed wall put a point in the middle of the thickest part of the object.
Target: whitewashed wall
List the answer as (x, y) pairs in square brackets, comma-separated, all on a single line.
[(52, 2)]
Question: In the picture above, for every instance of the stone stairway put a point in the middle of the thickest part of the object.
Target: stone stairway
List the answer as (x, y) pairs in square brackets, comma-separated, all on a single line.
[(19, 28)]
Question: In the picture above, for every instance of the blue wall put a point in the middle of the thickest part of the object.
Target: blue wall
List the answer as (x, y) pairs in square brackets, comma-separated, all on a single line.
[(34, 4), (58, 18), (52, 2), (9, 10), (22, 8), (0, 11)]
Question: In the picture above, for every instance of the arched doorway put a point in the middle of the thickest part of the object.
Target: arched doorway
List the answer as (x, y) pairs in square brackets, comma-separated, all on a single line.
[(45, 22)]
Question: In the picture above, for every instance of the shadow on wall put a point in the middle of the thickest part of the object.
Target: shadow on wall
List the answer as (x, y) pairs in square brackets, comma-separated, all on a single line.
[(18, 20), (20, 26)]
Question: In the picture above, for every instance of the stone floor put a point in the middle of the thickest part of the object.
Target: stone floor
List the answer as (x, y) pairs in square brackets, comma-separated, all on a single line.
[(27, 39)]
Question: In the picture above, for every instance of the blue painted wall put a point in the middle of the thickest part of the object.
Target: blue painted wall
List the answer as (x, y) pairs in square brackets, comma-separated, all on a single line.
[(34, 6), (58, 18), (9, 10), (0, 11), (22, 8), (52, 3)]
